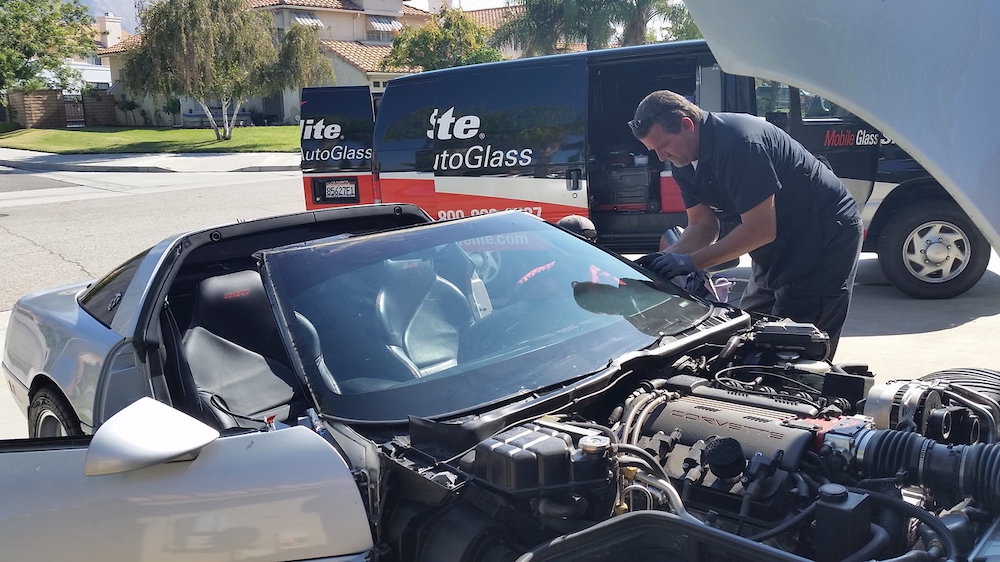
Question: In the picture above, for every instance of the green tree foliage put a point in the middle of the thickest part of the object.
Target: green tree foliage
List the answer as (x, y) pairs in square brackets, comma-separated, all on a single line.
[(37, 35), (635, 17), (538, 30), (680, 24), (450, 39), (216, 51)]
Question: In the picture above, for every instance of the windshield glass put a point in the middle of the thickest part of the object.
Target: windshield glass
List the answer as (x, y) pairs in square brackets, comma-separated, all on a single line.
[(438, 319)]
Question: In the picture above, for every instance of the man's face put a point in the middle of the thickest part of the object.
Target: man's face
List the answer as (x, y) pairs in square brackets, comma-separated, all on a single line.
[(680, 148)]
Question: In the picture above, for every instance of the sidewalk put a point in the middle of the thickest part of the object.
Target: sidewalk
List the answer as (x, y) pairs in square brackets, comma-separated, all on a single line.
[(163, 162)]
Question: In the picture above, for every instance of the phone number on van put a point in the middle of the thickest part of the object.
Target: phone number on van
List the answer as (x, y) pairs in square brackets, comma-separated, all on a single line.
[(459, 213)]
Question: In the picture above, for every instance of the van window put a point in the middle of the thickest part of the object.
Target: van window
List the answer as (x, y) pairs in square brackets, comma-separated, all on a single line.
[(814, 106), (502, 120)]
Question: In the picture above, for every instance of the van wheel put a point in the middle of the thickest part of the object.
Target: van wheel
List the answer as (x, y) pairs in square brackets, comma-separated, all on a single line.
[(932, 250), (49, 415)]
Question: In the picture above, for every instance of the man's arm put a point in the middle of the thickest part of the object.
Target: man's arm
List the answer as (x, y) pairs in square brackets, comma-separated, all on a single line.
[(702, 230), (758, 227)]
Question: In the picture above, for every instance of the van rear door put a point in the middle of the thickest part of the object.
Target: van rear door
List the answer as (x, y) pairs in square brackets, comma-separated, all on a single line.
[(336, 143), (464, 142)]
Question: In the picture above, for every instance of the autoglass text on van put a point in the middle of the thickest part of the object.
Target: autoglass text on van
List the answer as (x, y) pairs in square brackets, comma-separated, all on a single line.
[(313, 130), (446, 126)]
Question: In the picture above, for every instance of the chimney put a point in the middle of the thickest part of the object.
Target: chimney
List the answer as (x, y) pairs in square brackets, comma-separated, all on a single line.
[(110, 27), (434, 6)]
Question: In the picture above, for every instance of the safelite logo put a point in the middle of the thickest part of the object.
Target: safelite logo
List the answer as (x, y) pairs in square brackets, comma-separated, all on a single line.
[(319, 130), (446, 126), (313, 130)]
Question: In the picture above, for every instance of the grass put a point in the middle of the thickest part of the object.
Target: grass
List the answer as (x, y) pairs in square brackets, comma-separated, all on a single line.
[(117, 140)]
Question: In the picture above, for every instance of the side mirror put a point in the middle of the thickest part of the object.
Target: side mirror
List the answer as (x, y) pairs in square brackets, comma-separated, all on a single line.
[(143, 434)]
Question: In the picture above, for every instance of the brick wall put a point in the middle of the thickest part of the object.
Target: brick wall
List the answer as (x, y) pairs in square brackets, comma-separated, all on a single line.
[(99, 110), (41, 109)]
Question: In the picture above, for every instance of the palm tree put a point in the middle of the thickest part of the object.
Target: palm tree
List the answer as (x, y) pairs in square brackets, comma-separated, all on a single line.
[(536, 30), (635, 16)]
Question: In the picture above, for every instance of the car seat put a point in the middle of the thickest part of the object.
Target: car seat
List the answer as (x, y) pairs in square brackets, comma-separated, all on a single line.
[(235, 353), (423, 316)]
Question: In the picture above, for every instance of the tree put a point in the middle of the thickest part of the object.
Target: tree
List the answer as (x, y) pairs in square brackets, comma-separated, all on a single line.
[(218, 51), (635, 17), (452, 38), (537, 30), (680, 24), (39, 35)]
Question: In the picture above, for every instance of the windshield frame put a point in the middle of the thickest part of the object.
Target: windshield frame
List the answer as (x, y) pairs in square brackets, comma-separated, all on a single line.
[(605, 342)]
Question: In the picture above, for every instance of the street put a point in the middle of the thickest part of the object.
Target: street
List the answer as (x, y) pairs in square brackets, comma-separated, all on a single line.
[(60, 227)]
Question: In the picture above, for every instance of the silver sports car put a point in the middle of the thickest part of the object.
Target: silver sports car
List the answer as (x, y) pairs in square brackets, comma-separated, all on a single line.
[(364, 384)]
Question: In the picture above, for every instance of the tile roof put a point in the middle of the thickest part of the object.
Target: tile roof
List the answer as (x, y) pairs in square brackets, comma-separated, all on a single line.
[(491, 18), (127, 43), (364, 56), (332, 4)]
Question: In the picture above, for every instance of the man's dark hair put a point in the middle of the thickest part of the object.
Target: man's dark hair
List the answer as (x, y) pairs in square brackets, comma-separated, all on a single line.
[(666, 108)]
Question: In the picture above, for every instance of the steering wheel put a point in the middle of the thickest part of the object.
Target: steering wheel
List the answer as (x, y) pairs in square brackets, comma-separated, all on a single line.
[(487, 263)]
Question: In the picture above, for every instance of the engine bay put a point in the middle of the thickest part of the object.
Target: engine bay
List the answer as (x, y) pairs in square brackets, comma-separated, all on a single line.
[(757, 449)]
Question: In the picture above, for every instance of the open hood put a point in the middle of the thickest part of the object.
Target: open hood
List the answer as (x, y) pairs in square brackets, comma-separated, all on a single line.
[(924, 72)]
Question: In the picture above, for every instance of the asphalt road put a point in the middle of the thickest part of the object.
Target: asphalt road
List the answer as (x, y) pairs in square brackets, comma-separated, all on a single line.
[(60, 227)]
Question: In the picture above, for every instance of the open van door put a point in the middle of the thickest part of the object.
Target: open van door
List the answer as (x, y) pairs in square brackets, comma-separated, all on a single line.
[(336, 143)]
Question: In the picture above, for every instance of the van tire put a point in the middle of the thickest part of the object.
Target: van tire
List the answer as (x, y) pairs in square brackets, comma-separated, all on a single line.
[(959, 251)]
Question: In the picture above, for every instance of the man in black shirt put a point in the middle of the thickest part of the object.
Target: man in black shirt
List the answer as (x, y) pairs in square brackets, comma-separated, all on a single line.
[(793, 216)]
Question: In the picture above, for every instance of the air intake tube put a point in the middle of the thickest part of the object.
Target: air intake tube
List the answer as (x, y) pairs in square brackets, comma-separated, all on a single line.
[(969, 470)]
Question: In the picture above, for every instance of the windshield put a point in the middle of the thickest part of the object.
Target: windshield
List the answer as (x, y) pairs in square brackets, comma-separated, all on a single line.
[(439, 319)]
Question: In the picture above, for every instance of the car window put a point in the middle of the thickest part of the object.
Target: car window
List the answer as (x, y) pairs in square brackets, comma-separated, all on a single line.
[(102, 297), (458, 314)]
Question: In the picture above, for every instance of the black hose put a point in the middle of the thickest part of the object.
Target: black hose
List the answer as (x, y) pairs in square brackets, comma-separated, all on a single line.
[(920, 514), (787, 524), (879, 539), (605, 430), (644, 455)]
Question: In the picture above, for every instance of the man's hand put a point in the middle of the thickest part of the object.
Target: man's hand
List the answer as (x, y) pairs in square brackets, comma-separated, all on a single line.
[(668, 265)]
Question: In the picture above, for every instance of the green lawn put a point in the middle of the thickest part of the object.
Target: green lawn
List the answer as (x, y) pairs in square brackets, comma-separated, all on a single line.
[(96, 140)]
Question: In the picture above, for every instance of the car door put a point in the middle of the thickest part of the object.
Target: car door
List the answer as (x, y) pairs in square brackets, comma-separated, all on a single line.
[(125, 494)]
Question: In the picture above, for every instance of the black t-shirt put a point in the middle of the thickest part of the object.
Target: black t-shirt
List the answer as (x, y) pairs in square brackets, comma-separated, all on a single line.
[(743, 160)]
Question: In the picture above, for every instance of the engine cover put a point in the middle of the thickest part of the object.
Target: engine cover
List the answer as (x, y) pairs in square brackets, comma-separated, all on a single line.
[(758, 430)]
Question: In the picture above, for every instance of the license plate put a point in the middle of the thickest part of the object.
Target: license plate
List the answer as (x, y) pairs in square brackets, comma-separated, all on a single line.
[(335, 190), (341, 189)]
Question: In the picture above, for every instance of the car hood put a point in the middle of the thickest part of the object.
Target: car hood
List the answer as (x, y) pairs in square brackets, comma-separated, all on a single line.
[(923, 73)]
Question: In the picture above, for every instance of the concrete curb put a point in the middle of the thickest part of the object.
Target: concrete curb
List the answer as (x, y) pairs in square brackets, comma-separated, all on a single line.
[(267, 169), (52, 167)]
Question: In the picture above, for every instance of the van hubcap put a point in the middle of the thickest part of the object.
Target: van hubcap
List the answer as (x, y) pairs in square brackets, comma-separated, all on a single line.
[(936, 252)]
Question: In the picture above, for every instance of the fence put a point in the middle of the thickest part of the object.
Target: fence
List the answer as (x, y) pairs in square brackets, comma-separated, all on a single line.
[(50, 109)]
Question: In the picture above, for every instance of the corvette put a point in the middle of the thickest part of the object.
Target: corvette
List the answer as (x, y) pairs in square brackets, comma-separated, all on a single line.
[(364, 384)]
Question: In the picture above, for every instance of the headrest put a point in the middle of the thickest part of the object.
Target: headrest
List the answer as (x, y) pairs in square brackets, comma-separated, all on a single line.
[(235, 308)]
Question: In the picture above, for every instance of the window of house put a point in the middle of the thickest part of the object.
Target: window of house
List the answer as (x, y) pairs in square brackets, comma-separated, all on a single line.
[(306, 18), (381, 28)]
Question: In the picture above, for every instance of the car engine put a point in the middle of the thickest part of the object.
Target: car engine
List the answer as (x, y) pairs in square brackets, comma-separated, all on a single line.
[(757, 449)]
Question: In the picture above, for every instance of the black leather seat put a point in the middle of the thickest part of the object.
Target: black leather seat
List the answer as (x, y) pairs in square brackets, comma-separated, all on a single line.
[(423, 316), (235, 353)]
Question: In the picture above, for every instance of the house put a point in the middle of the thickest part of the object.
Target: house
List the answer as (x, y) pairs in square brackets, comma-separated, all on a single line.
[(356, 35)]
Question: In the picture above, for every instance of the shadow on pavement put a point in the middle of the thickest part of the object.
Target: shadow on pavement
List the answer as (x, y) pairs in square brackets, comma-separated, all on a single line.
[(879, 309)]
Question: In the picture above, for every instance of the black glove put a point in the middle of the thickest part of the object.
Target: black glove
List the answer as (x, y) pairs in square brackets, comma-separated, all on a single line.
[(647, 260), (670, 265)]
